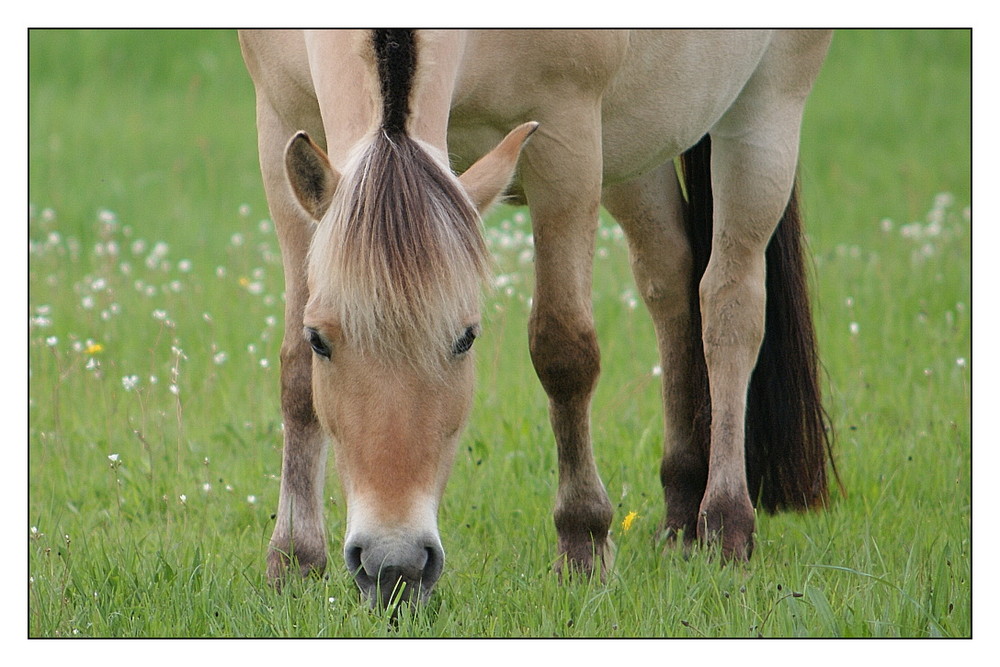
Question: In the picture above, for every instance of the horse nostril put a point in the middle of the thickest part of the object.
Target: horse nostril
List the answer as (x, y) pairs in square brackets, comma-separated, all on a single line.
[(433, 566), (352, 557)]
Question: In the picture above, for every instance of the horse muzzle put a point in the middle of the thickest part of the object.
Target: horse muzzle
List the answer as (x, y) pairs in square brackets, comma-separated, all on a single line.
[(394, 568)]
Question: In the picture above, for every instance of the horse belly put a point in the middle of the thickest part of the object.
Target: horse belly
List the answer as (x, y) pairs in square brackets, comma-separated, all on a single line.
[(672, 88)]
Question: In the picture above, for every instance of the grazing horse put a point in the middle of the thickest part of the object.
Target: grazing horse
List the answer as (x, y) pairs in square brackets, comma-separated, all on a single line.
[(384, 261)]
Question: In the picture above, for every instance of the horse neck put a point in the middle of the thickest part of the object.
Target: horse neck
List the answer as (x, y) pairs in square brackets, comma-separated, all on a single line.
[(344, 60)]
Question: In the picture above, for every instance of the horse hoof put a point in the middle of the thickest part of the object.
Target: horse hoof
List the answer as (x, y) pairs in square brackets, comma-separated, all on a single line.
[(584, 558), (729, 526), (281, 565)]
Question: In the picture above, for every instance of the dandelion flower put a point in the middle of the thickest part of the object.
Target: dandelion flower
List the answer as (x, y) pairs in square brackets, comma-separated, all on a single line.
[(629, 520), (93, 348)]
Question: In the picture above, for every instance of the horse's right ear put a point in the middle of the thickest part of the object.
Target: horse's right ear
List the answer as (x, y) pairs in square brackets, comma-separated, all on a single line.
[(311, 175)]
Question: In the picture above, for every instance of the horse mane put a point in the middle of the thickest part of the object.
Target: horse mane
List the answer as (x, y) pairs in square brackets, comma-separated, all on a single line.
[(402, 250)]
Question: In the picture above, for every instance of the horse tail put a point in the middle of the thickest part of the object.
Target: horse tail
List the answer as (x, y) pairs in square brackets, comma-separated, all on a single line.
[(788, 438)]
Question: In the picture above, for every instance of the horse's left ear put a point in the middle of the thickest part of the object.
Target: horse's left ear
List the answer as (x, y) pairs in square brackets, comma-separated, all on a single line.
[(491, 174), (311, 175)]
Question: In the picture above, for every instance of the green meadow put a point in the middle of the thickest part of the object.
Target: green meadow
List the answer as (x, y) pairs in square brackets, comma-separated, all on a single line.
[(154, 429)]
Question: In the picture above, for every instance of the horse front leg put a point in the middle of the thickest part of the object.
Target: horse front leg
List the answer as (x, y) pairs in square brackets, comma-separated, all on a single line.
[(564, 195), (298, 543)]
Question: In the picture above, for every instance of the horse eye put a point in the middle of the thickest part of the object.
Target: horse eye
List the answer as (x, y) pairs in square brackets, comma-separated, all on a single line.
[(319, 345), (464, 344)]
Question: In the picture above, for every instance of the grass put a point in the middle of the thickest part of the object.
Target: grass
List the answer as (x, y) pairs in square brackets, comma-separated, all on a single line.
[(154, 429)]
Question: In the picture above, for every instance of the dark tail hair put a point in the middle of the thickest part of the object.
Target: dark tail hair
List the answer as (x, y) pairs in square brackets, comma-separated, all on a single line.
[(788, 439)]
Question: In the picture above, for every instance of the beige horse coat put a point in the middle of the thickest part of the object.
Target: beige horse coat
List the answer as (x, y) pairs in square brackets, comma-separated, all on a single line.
[(613, 109)]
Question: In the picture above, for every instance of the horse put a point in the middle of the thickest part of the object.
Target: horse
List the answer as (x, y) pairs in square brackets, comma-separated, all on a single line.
[(689, 139)]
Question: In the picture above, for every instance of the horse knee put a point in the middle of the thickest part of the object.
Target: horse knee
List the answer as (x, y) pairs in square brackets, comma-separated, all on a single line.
[(566, 357)]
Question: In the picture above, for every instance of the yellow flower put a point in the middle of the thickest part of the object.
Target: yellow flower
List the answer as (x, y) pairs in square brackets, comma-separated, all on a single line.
[(627, 521), (244, 281), (93, 349)]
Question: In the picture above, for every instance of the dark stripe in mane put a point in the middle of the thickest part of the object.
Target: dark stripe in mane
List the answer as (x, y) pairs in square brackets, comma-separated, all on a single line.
[(396, 60)]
